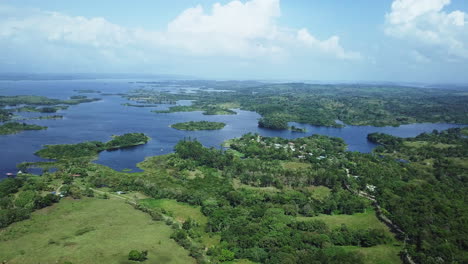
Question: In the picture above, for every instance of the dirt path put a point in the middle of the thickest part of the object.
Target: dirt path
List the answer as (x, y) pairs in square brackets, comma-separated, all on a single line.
[(115, 196), (381, 216), (58, 189)]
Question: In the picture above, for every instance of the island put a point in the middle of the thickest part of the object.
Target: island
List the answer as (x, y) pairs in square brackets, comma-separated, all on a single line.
[(140, 105), (42, 100), (92, 148), (46, 109), (87, 91), (127, 140), (46, 117), (297, 129), (15, 127), (34, 103), (198, 125), (207, 110), (49, 117), (5, 115)]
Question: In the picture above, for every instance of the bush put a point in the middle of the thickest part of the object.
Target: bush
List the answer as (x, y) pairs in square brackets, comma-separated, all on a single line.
[(136, 255), (226, 255), (88, 192)]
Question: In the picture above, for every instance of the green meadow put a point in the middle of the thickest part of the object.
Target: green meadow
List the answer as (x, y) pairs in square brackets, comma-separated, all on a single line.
[(89, 230), (181, 212), (380, 254)]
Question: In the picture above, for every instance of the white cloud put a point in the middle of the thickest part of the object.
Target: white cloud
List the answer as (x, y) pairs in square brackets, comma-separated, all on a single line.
[(331, 45), (424, 23), (244, 30), (417, 56), (235, 29)]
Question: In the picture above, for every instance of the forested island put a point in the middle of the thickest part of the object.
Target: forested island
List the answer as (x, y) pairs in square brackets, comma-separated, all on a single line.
[(87, 91), (198, 125), (207, 110), (47, 117), (15, 127), (140, 105), (42, 100), (39, 104), (92, 148)]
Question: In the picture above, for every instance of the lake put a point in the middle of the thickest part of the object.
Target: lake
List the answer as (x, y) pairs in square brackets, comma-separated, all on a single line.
[(102, 119)]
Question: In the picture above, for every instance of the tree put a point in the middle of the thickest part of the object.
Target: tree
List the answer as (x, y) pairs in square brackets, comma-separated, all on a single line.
[(226, 255)]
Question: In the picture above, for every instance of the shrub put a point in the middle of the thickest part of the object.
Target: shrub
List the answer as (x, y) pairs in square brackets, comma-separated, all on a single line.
[(136, 255)]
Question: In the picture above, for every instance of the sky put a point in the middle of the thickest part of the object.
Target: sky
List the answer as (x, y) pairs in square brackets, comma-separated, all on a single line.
[(327, 40)]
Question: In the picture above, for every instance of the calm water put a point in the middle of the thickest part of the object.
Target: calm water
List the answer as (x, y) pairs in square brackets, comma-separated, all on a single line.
[(102, 119)]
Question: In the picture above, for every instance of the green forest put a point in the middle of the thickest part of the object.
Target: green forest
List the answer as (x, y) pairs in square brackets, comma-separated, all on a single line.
[(15, 127), (92, 148), (34, 103), (198, 125)]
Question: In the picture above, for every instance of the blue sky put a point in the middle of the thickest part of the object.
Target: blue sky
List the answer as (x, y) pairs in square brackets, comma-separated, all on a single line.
[(360, 40)]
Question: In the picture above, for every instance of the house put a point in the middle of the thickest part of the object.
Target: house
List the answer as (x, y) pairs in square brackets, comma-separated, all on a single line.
[(370, 187)]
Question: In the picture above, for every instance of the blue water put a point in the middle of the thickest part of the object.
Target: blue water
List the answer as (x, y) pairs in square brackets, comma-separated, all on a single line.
[(102, 119)]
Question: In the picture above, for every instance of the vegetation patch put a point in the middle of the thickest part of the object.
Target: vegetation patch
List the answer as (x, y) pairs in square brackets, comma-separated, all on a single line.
[(44, 109), (320, 193), (15, 127), (42, 100), (364, 220), (324, 104), (87, 91), (140, 105), (380, 254), (84, 230), (180, 211), (92, 148), (127, 140), (198, 125), (33, 103)]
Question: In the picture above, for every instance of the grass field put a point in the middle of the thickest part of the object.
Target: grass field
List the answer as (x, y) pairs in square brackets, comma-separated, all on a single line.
[(462, 162), (320, 193), (364, 220), (419, 144), (181, 212), (238, 185), (381, 254), (89, 230)]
